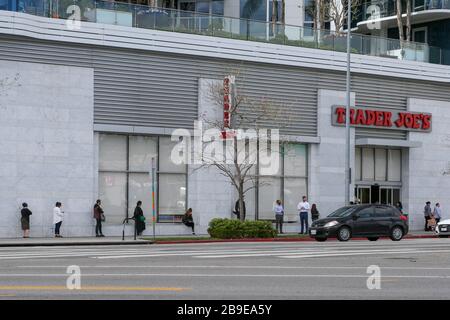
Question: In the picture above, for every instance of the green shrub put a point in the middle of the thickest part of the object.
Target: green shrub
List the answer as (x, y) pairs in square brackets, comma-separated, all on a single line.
[(236, 229)]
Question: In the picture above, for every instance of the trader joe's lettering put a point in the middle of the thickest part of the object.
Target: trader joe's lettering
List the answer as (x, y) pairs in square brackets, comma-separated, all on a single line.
[(389, 119)]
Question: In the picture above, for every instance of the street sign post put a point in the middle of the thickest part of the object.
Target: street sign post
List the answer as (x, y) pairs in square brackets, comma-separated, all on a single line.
[(153, 197)]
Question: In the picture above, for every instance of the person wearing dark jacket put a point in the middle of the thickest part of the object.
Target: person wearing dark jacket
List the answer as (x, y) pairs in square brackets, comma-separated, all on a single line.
[(98, 216), (314, 212), (25, 220), (139, 219), (188, 220), (237, 211)]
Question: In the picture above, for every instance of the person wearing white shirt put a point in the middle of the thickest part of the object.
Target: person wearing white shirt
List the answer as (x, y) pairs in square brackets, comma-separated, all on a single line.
[(437, 212), (279, 214), (303, 208), (58, 216)]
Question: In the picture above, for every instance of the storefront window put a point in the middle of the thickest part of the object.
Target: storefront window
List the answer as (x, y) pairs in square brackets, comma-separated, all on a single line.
[(269, 192), (124, 177), (288, 185), (394, 165), (294, 189), (380, 164), (112, 192), (377, 165), (113, 152), (368, 164)]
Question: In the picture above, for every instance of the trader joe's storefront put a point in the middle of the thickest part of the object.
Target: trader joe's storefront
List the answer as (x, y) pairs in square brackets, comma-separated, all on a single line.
[(377, 169)]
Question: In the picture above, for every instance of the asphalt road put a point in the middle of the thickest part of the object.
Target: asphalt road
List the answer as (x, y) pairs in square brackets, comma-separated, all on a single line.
[(409, 269)]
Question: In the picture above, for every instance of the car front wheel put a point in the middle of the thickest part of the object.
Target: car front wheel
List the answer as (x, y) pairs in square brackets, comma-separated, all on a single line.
[(344, 234), (396, 234)]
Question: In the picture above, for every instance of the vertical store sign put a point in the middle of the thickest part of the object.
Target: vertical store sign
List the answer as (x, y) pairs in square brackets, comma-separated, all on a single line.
[(228, 83)]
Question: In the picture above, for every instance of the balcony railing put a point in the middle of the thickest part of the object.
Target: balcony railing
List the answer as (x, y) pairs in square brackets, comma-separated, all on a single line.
[(387, 8), (139, 16)]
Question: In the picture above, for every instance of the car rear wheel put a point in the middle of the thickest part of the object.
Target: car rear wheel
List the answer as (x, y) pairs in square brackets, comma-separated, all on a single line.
[(321, 239), (344, 234), (373, 238), (396, 234)]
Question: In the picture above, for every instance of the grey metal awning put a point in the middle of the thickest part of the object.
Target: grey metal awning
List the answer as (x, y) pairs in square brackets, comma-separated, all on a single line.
[(388, 143)]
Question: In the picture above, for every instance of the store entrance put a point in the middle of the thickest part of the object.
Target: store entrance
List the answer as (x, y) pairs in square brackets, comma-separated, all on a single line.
[(377, 194)]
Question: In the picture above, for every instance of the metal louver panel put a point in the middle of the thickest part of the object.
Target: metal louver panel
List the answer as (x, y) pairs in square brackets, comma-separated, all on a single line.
[(383, 134), (144, 88)]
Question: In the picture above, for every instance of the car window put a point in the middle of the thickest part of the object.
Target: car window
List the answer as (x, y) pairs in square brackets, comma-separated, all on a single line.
[(383, 212), (365, 213), (342, 212)]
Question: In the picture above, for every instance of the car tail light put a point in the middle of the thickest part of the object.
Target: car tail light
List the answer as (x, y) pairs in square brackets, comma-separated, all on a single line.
[(403, 217)]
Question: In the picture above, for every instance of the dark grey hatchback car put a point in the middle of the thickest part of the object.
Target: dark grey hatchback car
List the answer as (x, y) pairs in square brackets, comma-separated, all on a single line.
[(370, 221)]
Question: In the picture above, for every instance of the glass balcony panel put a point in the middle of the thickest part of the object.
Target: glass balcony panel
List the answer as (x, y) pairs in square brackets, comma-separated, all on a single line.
[(165, 19)]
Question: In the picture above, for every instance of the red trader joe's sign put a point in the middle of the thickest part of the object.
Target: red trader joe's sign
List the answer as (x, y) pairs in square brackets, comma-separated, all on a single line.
[(383, 119)]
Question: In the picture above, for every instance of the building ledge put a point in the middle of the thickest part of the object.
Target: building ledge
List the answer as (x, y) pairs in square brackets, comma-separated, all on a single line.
[(416, 18), (388, 143)]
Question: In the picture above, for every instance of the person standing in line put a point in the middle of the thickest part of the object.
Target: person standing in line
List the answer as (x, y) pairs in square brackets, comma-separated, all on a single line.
[(25, 220), (437, 213), (303, 208), (99, 217), (399, 206), (188, 220), (58, 216), (237, 211), (279, 215), (314, 212), (427, 214), (139, 219)]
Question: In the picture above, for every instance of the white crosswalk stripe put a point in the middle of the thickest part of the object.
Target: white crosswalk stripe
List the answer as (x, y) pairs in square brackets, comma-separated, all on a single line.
[(294, 250)]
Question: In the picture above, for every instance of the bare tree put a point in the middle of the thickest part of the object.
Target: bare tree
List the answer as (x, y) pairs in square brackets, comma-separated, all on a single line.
[(338, 13), (402, 35), (400, 21), (246, 113)]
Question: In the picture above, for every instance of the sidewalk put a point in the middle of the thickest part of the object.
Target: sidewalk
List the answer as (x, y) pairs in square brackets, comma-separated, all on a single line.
[(76, 241), (92, 241)]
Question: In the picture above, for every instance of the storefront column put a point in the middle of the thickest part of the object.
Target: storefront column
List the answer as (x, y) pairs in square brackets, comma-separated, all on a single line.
[(327, 160), (428, 177)]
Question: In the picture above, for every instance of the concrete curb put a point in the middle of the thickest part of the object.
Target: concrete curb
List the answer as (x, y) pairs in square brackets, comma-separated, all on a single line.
[(305, 239), (147, 242), (74, 243)]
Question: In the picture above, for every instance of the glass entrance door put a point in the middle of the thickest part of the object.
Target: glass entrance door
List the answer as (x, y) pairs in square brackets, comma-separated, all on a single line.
[(389, 195), (362, 194), (377, 194)]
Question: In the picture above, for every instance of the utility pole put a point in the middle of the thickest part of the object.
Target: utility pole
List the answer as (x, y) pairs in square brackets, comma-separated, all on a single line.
[(348, 172)]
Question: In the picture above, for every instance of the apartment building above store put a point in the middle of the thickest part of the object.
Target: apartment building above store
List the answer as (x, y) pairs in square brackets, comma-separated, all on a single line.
[(430, 24)]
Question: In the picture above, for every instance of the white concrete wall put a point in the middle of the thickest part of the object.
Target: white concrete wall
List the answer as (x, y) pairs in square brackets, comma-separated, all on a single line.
[(46, 147), (210, 194), (428, 166), (294, 13), (232, 9), (326, 176)]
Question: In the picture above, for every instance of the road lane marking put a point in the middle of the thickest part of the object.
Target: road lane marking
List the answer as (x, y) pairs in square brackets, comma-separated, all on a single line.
[(221, 275), (222, 267), (359, 253), (89, 288)]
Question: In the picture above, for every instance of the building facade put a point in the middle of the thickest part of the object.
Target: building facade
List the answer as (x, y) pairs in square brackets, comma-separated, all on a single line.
[(83, 111), (430, 24)]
